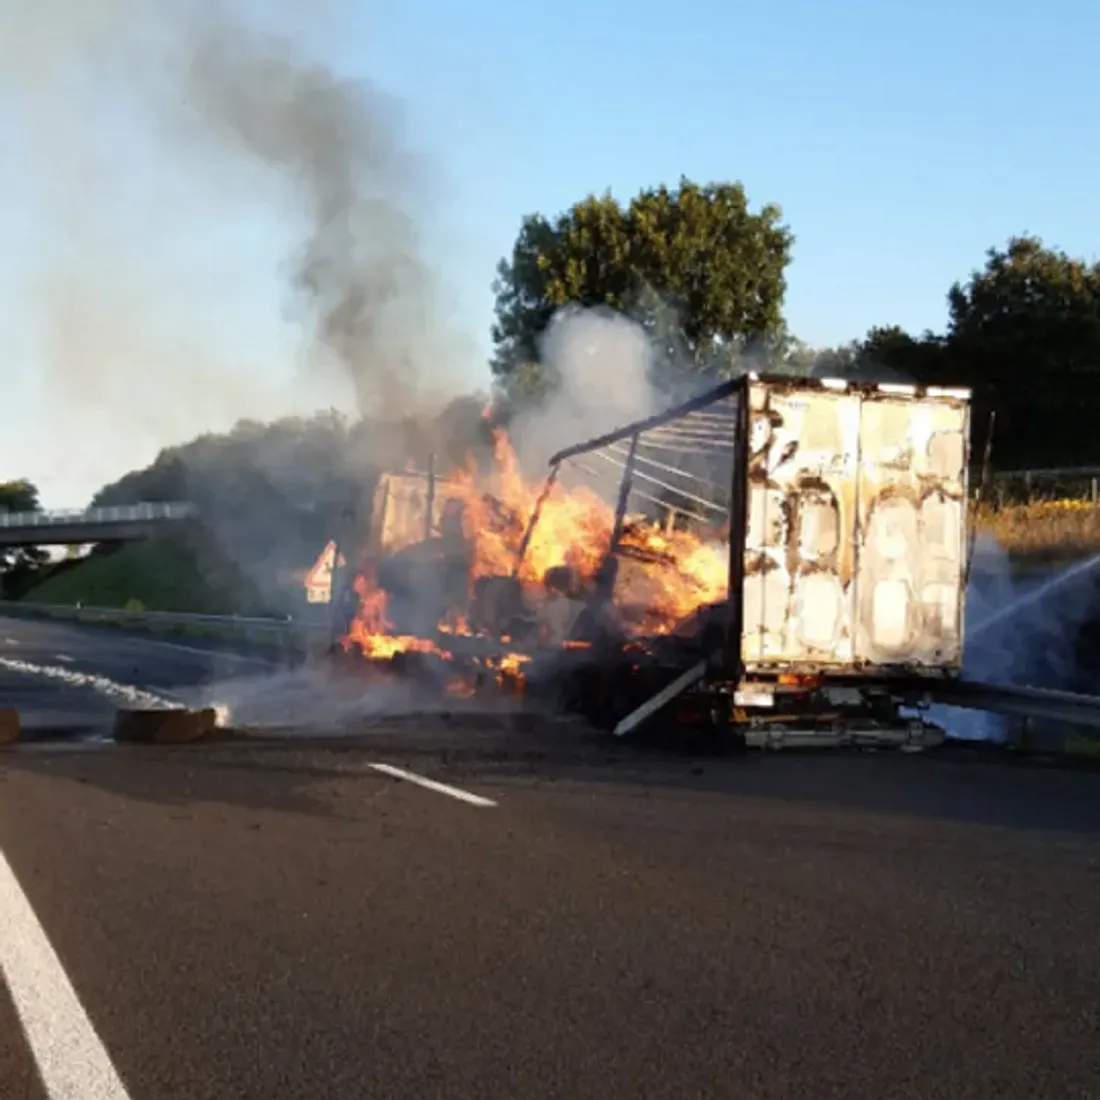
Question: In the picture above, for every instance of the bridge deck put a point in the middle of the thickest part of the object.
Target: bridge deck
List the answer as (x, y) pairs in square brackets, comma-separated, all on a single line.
[(68, 526)]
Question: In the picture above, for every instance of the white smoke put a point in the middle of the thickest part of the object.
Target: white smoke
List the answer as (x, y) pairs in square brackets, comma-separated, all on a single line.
[(1021, 631), (316, 698), (601, 365), (185, 171)]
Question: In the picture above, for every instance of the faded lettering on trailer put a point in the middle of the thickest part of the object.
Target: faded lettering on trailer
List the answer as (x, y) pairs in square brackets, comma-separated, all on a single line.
[(854, 552)]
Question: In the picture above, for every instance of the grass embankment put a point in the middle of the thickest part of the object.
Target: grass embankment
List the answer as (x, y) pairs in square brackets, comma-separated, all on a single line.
[(1044, 533), (159, 575)]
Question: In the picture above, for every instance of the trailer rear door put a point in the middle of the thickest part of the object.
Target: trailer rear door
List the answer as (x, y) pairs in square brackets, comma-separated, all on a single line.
[(855, 545)]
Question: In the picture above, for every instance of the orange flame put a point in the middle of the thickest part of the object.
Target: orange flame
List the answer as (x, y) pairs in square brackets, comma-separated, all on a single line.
[(371, 629), (664, 574)]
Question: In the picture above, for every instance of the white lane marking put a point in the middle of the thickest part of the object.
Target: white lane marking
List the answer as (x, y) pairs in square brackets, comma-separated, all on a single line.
[(209, 652), (146, 641), (119, 693), (64, 657), (432, 785), (72, 1060)]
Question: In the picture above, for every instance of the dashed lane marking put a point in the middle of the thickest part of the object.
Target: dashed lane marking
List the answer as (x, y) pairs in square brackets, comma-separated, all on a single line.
[(433, 785), (222, 654)]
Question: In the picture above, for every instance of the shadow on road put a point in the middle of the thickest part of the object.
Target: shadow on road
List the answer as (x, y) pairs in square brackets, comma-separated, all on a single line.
[(184, 777), (296, 774)]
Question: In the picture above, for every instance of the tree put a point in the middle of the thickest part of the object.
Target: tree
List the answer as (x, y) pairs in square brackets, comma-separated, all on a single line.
[(798, 358), (1025, 333), (18, 564), (838, 362), (889, 354), (18, 496), (701, 272)]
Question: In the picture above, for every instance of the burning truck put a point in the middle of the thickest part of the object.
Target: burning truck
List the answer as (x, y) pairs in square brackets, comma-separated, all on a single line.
[(780, 559)]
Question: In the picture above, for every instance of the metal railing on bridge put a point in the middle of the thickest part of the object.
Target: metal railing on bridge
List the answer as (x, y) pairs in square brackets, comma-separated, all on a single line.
[(94, 517)]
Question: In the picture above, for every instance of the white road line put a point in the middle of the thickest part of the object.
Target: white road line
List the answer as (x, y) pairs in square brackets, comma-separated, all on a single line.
[(65, 657), (128, 694), (238, 657), (12, 641), (432, 785), (71, 1058)]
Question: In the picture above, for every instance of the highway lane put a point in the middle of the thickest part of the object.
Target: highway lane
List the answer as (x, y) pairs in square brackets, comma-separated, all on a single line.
[(256, 921), (163, 666)]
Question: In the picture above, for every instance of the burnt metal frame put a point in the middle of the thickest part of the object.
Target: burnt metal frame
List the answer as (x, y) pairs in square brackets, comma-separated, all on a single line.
[(729, 665)]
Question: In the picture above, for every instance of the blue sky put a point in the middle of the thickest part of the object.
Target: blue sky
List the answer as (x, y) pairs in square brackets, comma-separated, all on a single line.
[(901, 140)]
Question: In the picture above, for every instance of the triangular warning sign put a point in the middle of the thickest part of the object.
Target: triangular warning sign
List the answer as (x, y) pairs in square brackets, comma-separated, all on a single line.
[(321, 573)]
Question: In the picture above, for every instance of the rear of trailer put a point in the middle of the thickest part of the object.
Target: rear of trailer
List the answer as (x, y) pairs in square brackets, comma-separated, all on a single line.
[(840, 509)]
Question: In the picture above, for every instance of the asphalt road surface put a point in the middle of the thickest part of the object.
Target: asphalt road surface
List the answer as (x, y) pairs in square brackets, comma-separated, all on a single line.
[(65, 677), (437, 910)]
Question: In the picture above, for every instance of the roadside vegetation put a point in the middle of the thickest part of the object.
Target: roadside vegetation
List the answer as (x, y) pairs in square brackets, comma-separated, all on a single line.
[(1044, 532), (160, 575)]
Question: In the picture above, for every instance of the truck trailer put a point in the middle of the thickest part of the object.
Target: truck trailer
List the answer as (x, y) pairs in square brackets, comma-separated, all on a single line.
[(785, 559)]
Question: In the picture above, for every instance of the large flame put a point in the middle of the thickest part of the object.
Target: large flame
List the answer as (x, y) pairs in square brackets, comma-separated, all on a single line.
[(665, 574)]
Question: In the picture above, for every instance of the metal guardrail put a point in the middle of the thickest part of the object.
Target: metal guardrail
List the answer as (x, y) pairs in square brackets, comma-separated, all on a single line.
[(235, 624), (124, 513), (1040, 704)]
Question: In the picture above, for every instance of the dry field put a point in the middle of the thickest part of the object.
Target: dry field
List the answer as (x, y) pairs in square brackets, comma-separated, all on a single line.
[(1044, 532)]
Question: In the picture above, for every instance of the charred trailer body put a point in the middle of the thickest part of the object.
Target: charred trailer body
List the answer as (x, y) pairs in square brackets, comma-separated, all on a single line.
[(788, 561)]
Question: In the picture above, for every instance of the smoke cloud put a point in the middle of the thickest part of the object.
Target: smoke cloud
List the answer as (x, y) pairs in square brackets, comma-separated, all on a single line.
[(601, 364), (1023, 631), (362, 271), (196, 168), (315, 699)]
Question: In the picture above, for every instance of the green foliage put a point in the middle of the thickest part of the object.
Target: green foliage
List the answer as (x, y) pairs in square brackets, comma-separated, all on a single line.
[(167, 574), (18, 496), (797, 358), (19, 565), (272, 495), (1025, 332), (701, 272)]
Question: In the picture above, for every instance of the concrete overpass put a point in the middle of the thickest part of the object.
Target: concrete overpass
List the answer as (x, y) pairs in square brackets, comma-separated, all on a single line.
[(72, 527)]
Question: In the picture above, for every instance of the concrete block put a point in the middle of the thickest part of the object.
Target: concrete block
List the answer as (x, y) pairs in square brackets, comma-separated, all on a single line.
[(165, 727), (9, 725)]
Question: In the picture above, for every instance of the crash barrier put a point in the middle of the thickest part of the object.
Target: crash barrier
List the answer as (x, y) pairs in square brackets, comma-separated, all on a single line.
[(284, 635), (1023, 702), (1045, 722)]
